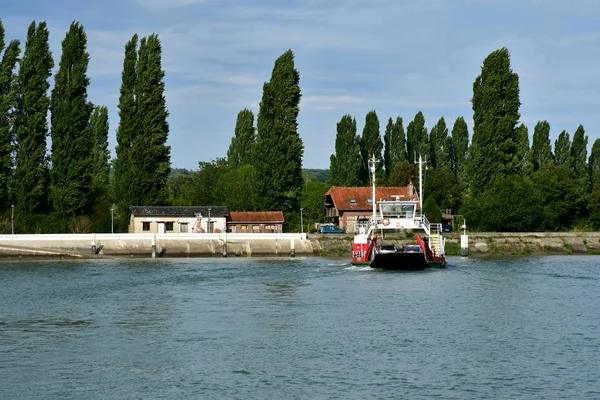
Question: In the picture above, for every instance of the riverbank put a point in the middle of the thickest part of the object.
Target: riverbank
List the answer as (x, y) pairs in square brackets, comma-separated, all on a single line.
[(481, 244)]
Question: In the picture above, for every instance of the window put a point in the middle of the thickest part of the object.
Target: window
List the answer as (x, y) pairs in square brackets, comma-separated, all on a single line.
[(145, 226), (255, 228), (352, 201), (183, 227), (370, 201), (244, 227), (169, 226)]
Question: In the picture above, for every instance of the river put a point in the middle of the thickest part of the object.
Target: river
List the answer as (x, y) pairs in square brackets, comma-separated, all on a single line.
[(305, 328)]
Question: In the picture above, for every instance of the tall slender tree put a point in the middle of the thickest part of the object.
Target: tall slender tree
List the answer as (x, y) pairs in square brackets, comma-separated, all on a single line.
[(417, 139), (524, 154), (562, 149), (279, 148), (100, 152), (440, 146), (460, 145), (143, 160), (594, 163), (242, 144), (496, 103), (579, 151), (541, 149), (30, 124), (8, 100), (371, 146), (151, 155), (346, 164), (71, 173), (395, 145)]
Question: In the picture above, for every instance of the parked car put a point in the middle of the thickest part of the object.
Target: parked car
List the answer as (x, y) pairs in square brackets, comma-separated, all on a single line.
[(413, 249), (331, 228), (387, 248), (446, 228)]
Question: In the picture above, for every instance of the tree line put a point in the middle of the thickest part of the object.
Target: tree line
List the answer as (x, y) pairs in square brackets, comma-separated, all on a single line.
[(71, 188), (499, 181)]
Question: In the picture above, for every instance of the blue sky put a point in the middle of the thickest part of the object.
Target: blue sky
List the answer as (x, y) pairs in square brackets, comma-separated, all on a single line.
[(392, 56)]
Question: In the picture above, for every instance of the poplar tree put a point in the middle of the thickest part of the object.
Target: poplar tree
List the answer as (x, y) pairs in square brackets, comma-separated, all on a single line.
[(71, 173), (242, 144), (460, 145), (524, 154), (594, 164), (346, 164), (371, 146), (493, 151), (541, 149), (30, 123), (579, 152), (440, 146), (394, 145), (417, 139), (279, 148), (562, 149), (143, 160), (100, 153), (151, 157), (8, 100)]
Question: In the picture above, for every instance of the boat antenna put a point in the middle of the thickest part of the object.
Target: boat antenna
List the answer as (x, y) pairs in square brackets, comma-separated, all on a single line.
[(421, 186)]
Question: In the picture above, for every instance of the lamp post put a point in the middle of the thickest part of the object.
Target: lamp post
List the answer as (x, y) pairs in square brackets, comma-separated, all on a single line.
[(12, 218), (301, 222), (208, 222), (112, 220)]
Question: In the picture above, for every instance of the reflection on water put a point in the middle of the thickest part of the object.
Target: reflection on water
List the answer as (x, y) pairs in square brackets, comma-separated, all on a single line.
[(306, 328)]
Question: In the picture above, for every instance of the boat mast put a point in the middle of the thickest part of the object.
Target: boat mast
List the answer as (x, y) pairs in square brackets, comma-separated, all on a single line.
[(372, 163), (421, 186)]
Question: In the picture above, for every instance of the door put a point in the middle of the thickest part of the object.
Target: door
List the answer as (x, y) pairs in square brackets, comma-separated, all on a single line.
[(161, 227)]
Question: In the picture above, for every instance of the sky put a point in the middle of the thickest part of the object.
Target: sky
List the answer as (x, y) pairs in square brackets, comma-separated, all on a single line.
[(396, 57)]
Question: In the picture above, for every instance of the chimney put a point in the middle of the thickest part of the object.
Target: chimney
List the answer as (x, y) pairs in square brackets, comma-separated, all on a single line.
[(411, 190)]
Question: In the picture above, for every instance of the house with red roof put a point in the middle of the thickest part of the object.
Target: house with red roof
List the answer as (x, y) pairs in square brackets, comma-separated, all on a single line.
[(255, 222), (349, 207)]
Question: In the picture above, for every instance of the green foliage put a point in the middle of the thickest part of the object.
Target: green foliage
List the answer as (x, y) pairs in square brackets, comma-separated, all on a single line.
[(417, 139), (441, 145), (346, 164), (313, 197), (143, 162), (432, 210), (444, 187), (8, 100), (371, 146), (562, 197), (541, 149), (594, 163), (508, 204), (524, 155), (493, 151), (321, 175), (71, 173), (236, 188), (100, 159), (579, 151), (30, 127), (402, 174), (206, 182), (279, 148), (562, 149), (593, 206), (460, 146), (395, 145), (242, 144)]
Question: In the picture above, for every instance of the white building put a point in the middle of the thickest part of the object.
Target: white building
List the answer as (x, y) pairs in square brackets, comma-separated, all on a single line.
[(198, 219)]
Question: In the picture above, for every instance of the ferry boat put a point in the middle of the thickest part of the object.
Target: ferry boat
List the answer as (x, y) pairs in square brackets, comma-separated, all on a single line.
[(399, 214)]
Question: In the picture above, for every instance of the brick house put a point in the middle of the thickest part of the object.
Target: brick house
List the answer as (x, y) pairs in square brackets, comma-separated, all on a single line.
[(348, 207), (255, 222)]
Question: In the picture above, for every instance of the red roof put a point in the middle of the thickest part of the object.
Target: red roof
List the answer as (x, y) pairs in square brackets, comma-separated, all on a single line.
[(256, 216), (356, 198)]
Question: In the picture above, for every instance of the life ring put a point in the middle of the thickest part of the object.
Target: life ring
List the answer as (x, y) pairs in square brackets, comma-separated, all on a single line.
[(386, 221)]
